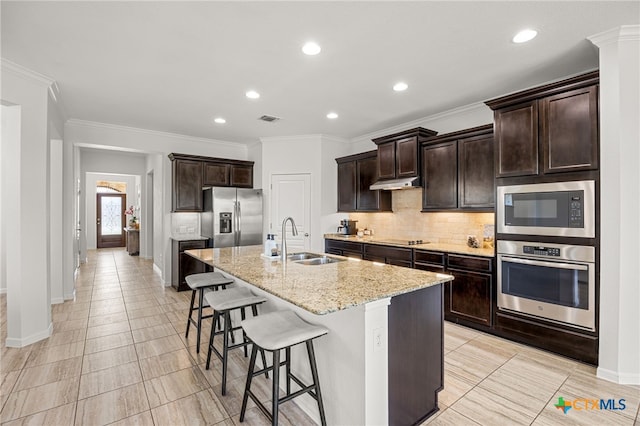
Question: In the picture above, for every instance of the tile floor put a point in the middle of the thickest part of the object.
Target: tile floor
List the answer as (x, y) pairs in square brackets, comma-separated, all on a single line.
[(118, 356)]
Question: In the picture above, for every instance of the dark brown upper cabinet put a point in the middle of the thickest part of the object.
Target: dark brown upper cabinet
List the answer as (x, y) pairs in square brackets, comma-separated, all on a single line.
[(440, 176), (190, 173), (242, 175), (458, 171), (476, 181), (548, 129), (355, 174), (216, 174), (399, 153), (187, 185)]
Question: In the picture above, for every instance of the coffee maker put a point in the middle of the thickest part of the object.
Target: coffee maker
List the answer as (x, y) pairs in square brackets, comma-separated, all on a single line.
[(347, 227)]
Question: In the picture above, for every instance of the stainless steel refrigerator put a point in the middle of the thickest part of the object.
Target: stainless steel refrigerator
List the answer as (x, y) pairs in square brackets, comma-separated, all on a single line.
[(231, 217)]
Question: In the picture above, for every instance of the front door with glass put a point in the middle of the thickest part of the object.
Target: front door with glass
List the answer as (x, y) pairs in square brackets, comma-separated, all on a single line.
[(110, 220)]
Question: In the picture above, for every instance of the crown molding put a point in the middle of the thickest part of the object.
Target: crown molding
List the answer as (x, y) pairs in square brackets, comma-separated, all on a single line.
[(416, 123), (614, 35), (117, 127), (20, 71)]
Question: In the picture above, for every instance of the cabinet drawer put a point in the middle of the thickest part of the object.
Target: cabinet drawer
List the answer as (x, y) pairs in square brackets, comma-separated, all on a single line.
[(429, 257), (432, 267), (191, 244), (388, 252), (344, 245), (469, 262)]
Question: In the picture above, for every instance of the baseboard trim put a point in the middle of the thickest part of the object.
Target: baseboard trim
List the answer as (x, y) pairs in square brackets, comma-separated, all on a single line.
[(3, 290), (13, 342), (618, 377), (57, 300), (70, 296)]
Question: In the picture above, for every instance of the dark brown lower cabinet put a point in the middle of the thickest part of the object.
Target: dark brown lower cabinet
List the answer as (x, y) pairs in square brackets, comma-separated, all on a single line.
[(468, 298), (343, 248), (389, 255), (183, 265), (416, 358)]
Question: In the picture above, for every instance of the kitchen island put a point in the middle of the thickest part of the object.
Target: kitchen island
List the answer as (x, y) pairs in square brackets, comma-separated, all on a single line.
[(382, 361)]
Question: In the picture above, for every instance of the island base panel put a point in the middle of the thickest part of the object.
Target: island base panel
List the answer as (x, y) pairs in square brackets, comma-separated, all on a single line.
[(416, 356)]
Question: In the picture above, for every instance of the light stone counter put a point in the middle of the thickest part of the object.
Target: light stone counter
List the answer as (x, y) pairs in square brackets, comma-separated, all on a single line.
[(319, 289), (385, 331), (442, 247)]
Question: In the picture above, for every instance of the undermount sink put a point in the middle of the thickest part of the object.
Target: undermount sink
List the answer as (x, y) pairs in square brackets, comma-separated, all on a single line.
[(312, 259), (303, 256)]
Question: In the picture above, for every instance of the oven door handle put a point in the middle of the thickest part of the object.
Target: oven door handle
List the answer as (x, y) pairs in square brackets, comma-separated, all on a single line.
[(543, 263)]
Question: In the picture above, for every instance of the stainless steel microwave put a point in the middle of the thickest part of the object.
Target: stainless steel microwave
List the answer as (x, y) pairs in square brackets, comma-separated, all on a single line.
[(564, 209)]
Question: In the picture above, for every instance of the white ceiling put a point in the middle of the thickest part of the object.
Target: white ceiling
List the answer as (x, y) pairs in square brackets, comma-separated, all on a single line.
[(173, 66)]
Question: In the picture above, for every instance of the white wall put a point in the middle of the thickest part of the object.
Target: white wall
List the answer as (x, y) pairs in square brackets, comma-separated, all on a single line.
[(619, 355), (315, 155), (453, 120), (8, 171), (56, 248), (90, 209), (110, 165), (159, 145), (26, 208), (331, 149)]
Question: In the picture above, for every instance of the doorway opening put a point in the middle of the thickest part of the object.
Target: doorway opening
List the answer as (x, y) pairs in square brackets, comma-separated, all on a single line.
[(110, 208)]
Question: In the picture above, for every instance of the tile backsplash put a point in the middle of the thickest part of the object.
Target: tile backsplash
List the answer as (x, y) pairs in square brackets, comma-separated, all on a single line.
[(185, 225), (408, 222)]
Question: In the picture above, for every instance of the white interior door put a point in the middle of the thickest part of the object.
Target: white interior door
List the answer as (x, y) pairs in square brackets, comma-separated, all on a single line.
[(291, 196)]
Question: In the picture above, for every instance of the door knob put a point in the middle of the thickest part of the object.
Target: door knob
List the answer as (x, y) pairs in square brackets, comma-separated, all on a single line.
[(306, 234)]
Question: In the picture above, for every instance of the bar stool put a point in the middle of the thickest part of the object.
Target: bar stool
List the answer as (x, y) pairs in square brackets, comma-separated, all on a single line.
[(198, 284), (273, 332), (223, 302)]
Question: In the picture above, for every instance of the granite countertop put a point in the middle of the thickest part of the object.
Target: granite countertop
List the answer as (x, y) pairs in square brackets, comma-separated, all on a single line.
[(320, 289), (447, 248)]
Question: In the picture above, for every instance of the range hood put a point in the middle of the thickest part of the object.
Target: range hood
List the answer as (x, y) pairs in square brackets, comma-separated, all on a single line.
[(390, 184)]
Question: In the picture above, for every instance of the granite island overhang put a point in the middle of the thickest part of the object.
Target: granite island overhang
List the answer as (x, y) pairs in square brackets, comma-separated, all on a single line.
[(382, 361)]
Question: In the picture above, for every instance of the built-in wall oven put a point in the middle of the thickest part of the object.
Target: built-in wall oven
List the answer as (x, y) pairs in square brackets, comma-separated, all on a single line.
[(555, 282), (560, 209)]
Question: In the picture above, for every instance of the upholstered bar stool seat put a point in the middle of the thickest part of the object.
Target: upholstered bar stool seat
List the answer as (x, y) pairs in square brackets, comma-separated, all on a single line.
[(223, 303), (200, 284), (273, 332)]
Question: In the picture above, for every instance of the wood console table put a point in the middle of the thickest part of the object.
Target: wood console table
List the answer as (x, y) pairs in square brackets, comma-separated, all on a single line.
[(133, 241)]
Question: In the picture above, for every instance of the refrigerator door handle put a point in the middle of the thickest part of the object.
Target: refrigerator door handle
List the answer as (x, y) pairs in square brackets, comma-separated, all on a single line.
[(239, 221)]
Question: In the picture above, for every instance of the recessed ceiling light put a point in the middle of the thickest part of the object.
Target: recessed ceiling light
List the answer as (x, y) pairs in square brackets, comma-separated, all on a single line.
[(332, 115), (400, 87), (219, 120), (524, 36), (252, 94), (311, 48)]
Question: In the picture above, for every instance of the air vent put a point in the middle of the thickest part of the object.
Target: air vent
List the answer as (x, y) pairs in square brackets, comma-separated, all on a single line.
[(269, 118)]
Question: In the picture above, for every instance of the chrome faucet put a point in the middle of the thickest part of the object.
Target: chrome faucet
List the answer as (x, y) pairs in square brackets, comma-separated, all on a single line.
[(294, 231)]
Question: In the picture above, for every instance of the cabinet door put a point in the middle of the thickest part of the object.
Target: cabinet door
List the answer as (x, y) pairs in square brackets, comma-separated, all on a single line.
[(387, 160), (216, 174), (569, 127), (469, 296), (516, 135), (347, 186), (241, 176), (476, 188), (440, 176), (366, 199), (407, 157), (187, 186)]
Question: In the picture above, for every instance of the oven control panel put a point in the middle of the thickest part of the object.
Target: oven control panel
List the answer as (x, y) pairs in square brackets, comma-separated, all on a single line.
[(541, 251)]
